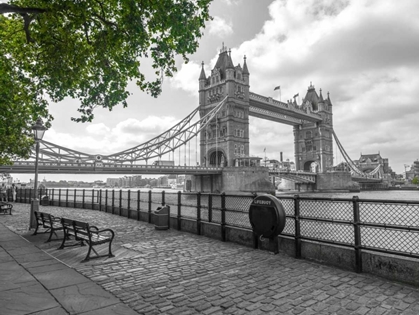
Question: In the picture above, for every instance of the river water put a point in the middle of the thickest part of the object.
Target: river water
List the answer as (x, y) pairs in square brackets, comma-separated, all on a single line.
[(412, 195)]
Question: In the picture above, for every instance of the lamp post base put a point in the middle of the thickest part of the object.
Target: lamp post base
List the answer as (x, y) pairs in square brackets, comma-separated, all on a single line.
[(34, 207)]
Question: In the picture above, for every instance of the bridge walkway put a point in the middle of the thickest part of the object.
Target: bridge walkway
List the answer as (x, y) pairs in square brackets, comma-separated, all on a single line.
[(172, 272)]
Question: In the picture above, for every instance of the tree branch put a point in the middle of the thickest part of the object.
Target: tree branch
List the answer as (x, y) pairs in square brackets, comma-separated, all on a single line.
[(27, 19), (8, 8), (109, 23)]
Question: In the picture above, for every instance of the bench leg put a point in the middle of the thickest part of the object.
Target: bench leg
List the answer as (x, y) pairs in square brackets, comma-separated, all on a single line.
[(51, 234), (110, 252), (36, 229), (87, 258), (65, 237)]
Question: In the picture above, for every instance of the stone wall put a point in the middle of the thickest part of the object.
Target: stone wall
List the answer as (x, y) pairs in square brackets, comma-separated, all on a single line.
[(234, 180), (335, 181)]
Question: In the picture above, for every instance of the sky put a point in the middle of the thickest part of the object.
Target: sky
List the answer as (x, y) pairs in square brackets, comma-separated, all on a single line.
[(365, 53)]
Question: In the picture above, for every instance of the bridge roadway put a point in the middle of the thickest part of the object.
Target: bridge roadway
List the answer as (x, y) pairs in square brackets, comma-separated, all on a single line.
[(297, 177), (104, 168), (107, 168), (24, 167)]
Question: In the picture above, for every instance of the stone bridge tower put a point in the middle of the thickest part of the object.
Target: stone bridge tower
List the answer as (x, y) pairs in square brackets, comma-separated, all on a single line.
[(314, 141), (227, 137)]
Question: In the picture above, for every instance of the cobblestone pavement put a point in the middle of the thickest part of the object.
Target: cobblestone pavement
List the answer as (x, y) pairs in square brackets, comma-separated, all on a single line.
[(172, 272)]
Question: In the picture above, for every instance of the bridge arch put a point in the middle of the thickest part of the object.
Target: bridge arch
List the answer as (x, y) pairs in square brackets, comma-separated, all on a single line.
[(217, 158), (312, 166)]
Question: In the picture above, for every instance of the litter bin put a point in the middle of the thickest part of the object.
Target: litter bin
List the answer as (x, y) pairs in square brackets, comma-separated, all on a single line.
[(162, 215), (45, 201)]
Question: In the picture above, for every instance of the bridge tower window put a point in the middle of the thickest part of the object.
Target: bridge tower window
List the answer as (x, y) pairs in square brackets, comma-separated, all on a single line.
[(308, 135)]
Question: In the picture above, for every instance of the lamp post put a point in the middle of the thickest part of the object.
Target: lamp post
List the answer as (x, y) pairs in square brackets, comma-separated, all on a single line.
[(39, 130)]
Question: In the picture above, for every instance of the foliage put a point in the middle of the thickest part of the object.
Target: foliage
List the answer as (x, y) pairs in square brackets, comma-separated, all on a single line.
[(415, 181), (87, 50), (19, 108)]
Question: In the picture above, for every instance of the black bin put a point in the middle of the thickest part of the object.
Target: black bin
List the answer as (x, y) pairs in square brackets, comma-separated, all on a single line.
[(161, 218), (45, 201), (267, 216)]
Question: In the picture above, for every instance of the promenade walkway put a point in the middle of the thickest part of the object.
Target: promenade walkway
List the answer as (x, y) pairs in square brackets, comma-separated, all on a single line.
[(172, 272)]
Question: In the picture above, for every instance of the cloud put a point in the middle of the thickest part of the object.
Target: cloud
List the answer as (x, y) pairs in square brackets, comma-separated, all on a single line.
[(364, 52), (101, 139), (97, 129), (232, 2), (186, 78), (220, 27)]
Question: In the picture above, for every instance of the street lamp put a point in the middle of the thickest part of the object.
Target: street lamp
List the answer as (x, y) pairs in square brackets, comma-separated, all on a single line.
[(39, 130)]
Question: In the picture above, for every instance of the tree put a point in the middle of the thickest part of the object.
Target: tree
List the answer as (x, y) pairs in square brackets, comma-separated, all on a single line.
[(19, 108), (415, 181), (88, 50)]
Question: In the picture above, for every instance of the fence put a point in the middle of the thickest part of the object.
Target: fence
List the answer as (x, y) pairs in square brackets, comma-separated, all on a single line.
[(386, 226)]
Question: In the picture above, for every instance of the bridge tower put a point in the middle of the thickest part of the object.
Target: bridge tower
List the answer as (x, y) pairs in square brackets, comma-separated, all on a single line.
[(313, 141), (226, 138)]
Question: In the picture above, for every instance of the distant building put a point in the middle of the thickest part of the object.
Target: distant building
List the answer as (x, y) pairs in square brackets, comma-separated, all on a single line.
[(369, 162), (113, 182), (413, 172), (279, 165)]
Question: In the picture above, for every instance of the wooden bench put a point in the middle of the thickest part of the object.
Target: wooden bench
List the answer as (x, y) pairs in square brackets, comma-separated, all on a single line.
[(4, 207), (83, 233), (48, 222)]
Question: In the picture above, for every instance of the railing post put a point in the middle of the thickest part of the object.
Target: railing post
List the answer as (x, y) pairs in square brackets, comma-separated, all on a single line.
[(138, 205), (93, 197), (100, 200), (59, 197), (199, 213), (52, 197), (128, 202), (113, 201), (106, 200), (223, 221), (75, 198), (178, 216), (150, 207), (298, 241), (120, 204), (210, 207), (357, 236), (67, 198), (83, 198)]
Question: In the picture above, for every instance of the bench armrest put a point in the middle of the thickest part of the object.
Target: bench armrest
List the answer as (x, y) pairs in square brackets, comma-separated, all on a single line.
[(55, 219), (102, 231)]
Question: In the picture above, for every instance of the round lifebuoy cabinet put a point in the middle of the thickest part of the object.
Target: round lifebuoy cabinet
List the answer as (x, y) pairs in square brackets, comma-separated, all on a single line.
[(267, 216)]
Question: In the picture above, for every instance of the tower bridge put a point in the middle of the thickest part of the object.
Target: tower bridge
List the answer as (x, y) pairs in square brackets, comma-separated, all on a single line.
[(220, 140)]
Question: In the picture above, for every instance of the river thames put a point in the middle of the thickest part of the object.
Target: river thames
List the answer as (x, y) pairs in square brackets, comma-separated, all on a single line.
[(378, 194)]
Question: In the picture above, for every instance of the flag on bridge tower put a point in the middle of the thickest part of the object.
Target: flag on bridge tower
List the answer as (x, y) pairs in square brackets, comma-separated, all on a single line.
[(296, 95), (277, 88)]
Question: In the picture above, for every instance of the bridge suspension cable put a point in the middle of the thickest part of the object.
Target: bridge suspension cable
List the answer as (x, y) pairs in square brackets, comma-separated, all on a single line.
[(353, 167), (166, 142)]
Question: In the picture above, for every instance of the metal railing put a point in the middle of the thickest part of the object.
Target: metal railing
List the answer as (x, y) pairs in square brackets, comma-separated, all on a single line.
[(386, 226)]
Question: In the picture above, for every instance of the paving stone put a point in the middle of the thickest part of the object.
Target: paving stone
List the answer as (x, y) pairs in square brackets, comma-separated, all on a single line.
[(83, 297), (180, 273)]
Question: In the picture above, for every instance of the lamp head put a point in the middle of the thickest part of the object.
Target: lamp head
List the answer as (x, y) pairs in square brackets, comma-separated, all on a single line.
[(38, 129)]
